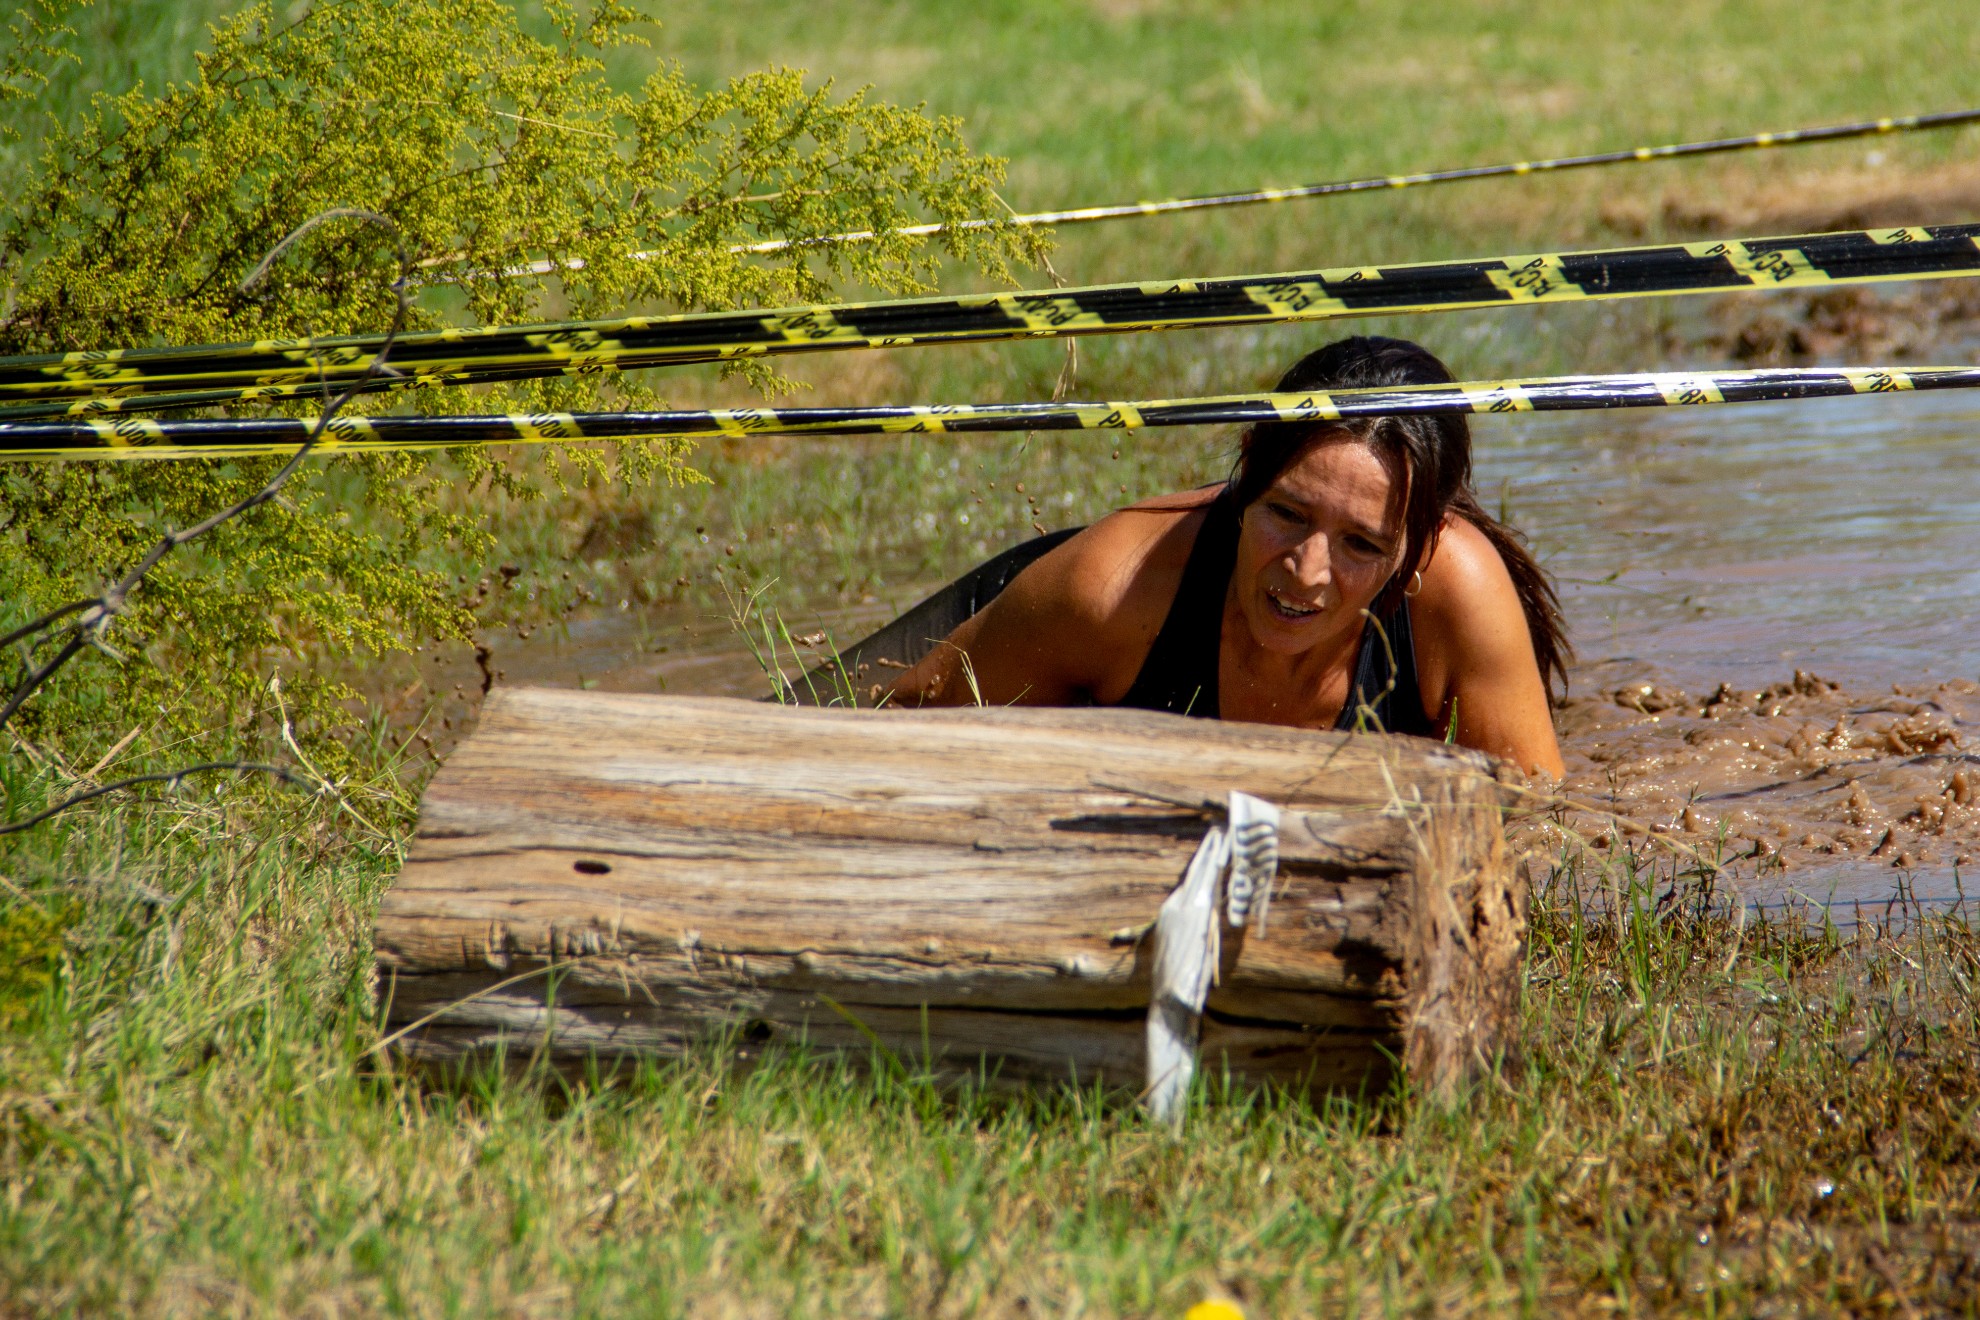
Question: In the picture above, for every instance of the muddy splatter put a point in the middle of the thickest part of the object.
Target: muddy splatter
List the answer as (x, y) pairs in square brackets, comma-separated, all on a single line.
[(1801, 773)]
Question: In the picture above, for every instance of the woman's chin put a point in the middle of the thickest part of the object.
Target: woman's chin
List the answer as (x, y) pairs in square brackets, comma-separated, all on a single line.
[(1283, 634)]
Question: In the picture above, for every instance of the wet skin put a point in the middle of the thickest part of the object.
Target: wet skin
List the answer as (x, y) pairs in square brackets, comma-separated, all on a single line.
[(1314, 552)]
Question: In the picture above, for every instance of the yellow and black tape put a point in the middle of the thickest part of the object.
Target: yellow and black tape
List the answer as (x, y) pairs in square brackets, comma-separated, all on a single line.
[(578, 348), (106, 405), (1387, 182), (149, 438)]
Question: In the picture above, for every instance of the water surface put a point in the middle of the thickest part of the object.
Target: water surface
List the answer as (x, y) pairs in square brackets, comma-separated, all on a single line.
[(1740, 543)]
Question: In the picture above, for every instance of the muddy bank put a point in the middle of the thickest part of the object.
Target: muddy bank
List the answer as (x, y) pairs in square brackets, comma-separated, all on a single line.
[(1902, 323), (1872, 193), (1925, 324), (1802, 776)]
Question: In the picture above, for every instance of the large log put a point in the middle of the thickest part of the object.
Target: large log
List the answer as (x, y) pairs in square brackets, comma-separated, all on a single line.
[(970, 889)]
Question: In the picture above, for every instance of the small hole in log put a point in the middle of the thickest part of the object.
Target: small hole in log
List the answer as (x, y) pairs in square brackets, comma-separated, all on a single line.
[(588, 867)]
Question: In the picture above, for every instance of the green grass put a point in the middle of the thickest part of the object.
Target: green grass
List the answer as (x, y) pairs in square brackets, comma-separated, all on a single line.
[(191, 1117), (1708, 1116), (1118, 99)]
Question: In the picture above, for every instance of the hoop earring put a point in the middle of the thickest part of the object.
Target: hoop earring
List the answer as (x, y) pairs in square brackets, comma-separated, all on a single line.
[(1415, 586)]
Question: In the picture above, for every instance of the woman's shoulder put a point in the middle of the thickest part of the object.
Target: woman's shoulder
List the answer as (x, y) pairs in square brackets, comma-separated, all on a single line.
[(1182, 501), (1476, 666), (1109, 588), (1076, 624), (1464, 578), (1464, 557), (1467, 615), (1131, 561)]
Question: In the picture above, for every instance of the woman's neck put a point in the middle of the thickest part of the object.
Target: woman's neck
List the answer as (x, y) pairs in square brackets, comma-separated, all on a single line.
[(1306, 688)]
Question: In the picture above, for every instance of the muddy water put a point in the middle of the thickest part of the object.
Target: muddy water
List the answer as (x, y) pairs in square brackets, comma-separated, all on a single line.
[(1709, 557), (1737, 544), (1706, 558)]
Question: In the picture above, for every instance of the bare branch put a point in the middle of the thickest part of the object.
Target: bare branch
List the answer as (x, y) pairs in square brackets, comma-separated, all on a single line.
[(43, 623), (38, 677), (171, 777), (316, 221)]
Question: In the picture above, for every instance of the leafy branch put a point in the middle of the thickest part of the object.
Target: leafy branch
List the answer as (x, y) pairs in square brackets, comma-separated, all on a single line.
[(83, 622)]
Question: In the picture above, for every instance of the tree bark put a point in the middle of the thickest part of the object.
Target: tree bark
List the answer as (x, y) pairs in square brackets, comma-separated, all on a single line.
[(610, 876)]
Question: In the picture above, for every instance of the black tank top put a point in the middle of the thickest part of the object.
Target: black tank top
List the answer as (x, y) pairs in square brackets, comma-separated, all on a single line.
[(1180, 673)]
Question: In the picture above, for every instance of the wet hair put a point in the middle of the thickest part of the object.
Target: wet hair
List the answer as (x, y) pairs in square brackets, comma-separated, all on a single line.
[(1431, 456)]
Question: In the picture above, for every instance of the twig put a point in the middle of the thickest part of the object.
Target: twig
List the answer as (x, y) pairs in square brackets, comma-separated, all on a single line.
[(44, 622), (1202, 806), (322, 781), (171, 777), (103, 761)]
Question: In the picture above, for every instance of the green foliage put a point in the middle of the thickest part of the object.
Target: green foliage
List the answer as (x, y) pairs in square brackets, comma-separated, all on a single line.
[(489, 147), (33, 45)]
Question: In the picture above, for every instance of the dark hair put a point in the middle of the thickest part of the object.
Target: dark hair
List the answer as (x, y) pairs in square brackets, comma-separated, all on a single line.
[(1433, 457)]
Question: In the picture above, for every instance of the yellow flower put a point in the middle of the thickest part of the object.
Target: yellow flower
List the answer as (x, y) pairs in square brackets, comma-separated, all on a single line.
[(1214, 1308)]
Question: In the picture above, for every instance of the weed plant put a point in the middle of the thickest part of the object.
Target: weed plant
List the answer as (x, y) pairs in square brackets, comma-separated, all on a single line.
[(483, 146)]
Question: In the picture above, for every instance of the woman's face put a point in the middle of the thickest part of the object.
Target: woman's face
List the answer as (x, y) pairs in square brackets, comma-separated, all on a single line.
[(1318, 546)]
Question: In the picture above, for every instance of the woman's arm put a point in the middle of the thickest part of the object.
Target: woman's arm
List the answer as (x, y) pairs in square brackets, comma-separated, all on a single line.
[(1012, 652), (1072, 627), (1474, 655)]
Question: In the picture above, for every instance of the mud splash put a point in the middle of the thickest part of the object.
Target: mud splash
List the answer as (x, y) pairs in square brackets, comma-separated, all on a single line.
[(1802, 787)]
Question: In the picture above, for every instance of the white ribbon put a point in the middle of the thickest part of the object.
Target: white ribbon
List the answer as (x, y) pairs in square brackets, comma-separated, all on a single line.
[(1239, 857)]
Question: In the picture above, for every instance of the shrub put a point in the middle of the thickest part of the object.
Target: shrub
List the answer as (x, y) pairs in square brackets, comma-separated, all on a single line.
[(489, 147)]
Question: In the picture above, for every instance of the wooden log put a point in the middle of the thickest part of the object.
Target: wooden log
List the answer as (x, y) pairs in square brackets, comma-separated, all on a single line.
[(609, 876)]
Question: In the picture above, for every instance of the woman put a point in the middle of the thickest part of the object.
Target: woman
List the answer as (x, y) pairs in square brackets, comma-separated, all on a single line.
[(1344, 577)]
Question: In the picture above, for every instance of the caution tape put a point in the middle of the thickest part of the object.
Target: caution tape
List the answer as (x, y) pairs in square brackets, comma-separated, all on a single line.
[(146, 438), (584, 348), (101, 405), (1376, 183)]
